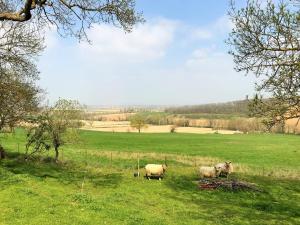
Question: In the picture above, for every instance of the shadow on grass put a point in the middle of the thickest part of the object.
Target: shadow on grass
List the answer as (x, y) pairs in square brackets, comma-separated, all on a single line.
[(66, 173), (276, 203)]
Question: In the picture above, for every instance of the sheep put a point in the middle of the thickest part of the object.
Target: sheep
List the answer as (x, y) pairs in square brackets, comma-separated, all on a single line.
[(155, 170), (226, 168), (209, 171)]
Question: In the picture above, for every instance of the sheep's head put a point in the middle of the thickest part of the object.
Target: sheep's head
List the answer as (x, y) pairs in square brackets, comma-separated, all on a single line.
[(227, 164), (218, 170), (164, 166)]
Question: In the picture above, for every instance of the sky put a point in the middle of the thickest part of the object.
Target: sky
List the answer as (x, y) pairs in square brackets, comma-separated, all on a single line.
[(177, 57)]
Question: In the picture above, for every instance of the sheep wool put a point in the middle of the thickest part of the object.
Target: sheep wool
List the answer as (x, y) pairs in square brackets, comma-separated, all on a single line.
[(209, 172), (155, 170)]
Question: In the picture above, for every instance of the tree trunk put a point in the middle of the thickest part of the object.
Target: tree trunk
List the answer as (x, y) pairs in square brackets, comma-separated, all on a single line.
[(2, 152), (56, 154), (139, 130)]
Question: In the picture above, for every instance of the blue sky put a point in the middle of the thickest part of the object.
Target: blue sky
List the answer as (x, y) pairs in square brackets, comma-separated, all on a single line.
[(177, 57)]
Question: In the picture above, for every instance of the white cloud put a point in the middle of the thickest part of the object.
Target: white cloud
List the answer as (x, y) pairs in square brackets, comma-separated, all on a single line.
[(147, 42), (218, 28), (51, 39), (147, 66), (203, 56), (223, 25), (200, 33)]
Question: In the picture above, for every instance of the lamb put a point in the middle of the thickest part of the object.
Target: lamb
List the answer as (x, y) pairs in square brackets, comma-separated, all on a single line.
[(226, 168), (209, 172), (155, 170)]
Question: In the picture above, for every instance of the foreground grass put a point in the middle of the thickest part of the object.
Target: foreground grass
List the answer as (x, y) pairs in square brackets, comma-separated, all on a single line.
[(88, 188)]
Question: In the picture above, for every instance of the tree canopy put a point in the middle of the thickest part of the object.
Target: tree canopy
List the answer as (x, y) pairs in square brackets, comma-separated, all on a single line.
[(71, 17), (265, 41), (138, 121), (51, 126), (17, 99), (20, 44)]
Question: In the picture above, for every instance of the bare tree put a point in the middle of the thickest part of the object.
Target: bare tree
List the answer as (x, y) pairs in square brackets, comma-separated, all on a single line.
[(20, 44), (266, 41), (72, 17)]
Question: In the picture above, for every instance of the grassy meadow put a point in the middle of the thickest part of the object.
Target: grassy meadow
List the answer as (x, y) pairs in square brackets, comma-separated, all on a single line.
[(93, 183)]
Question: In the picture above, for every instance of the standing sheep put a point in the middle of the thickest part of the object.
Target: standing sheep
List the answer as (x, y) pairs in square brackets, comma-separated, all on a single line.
[(155, 170), (226, 168), (209, 171)]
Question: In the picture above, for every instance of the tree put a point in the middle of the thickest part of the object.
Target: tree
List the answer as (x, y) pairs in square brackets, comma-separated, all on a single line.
[(138, 122), (53, 126), (19, 96), (19, 45), (71, 17), (17, 99), (265, 41)]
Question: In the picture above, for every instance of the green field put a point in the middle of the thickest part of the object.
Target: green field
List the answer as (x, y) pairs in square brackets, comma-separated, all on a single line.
[(93, 183)]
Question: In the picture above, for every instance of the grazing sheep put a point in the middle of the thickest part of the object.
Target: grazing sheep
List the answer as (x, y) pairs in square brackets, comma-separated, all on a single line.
[(226, 168), (155, 170), (209, 171)]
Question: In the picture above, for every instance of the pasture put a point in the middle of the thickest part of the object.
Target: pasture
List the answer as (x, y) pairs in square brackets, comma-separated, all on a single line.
[(93, 183)]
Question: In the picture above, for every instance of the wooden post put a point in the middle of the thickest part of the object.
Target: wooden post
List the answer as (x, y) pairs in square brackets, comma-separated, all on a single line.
[(85, 171), (110, 159), (138, 165), (82, 184), (85, 157)]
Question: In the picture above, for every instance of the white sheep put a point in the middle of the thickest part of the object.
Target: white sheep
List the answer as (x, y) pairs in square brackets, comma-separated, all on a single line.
[(226, 168), (209, 171), (155, 170)]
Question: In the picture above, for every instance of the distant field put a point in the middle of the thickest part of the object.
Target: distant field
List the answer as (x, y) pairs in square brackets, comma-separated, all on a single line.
[(124, 126), (199, 123), (211, 116), (94, 183)]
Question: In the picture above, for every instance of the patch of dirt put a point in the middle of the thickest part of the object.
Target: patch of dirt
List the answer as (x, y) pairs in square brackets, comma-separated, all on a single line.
[(231, 185)]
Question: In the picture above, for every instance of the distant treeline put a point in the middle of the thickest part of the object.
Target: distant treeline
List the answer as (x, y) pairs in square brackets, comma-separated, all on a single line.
[(233, 108)]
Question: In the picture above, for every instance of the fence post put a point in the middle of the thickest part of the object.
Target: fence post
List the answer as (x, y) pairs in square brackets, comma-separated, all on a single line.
[(62, 155), (138, 165), (110, 159)]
